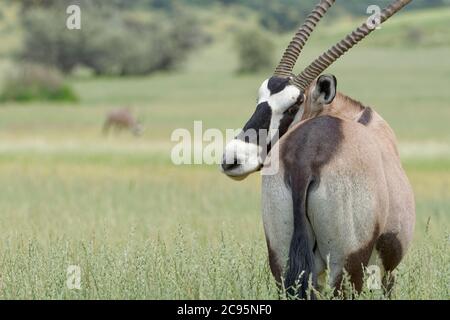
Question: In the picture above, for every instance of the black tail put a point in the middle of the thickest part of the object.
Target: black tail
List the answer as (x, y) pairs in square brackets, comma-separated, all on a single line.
[(301, 256)]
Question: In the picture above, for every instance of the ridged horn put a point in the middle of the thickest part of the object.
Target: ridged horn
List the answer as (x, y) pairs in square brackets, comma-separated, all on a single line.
[(294, 49), (304, 79)]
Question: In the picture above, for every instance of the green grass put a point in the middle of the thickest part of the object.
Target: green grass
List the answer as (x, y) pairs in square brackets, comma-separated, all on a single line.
[(140, 227)]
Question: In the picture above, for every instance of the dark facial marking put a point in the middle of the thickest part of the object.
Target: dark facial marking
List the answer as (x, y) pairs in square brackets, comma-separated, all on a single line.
[(305, 151), (366, 116), (260, 120), (277, 84), (288, 117), (286, 120)]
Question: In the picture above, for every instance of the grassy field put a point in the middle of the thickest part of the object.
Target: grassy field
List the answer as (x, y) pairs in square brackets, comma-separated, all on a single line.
[(141, 228)]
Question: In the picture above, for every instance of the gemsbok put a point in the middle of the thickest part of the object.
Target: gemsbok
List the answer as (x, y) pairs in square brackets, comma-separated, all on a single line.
[(340, 197), (122, 119)]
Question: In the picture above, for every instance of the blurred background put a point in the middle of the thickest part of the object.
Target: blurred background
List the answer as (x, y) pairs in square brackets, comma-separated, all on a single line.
[(86, 118)]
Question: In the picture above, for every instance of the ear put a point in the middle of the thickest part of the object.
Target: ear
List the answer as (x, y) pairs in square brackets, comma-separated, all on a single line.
[(325, 89)]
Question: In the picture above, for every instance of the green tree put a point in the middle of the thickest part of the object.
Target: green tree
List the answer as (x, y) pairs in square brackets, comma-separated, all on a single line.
[(110, 42), (255, 51)]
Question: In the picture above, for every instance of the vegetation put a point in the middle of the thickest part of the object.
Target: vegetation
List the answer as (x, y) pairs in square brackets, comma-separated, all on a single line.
[(281, 15), (140, 227), (255, 50), (31, 82), (122, 211), (109, 43)]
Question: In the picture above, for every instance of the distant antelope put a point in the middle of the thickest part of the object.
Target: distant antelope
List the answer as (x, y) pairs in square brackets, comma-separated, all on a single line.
[(122, 119), (340, 195)]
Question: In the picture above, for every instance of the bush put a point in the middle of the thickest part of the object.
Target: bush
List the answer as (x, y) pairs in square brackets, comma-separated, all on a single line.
[(34, 82), (110, 42), (255, 51)]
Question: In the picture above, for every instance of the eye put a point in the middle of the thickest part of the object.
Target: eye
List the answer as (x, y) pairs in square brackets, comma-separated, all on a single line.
[(300, 99), (292, 110)]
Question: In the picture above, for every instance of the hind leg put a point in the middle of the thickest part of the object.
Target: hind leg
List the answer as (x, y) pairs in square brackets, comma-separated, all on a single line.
[(354, 266), (391, 253), (388, 284)]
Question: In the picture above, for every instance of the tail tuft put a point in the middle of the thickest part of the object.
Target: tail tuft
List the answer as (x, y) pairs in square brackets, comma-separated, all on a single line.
[(301, 257)]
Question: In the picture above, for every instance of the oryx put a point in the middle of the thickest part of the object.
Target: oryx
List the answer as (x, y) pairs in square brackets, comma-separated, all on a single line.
[(120, 119), (340, 195)]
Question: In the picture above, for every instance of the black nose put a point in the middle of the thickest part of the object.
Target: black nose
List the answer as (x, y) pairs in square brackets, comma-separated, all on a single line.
[(228, 166)]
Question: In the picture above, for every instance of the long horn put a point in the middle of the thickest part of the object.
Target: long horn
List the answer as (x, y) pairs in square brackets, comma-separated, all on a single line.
[(304, 79), (292, 52)]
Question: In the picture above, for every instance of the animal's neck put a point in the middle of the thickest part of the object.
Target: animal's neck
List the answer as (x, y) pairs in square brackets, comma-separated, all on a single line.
[(344, 107), (347, 108), (341, 107)]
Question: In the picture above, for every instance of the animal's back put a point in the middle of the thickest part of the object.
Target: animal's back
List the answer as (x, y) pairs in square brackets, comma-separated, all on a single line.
[(338, 166)]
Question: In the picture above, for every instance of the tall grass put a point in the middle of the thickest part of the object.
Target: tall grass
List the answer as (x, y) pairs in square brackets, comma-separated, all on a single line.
[(140, 227), (181, 269)]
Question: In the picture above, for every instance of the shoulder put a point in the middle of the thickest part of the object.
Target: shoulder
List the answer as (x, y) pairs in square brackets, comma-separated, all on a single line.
[(320, 138), (314, 139), (323, 129)]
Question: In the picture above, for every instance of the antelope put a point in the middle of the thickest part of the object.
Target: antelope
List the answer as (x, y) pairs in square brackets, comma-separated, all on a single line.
[(122, 119), (340, 199)]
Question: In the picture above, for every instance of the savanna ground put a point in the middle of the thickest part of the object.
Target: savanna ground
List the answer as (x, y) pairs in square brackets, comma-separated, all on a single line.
[(142, 228)]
